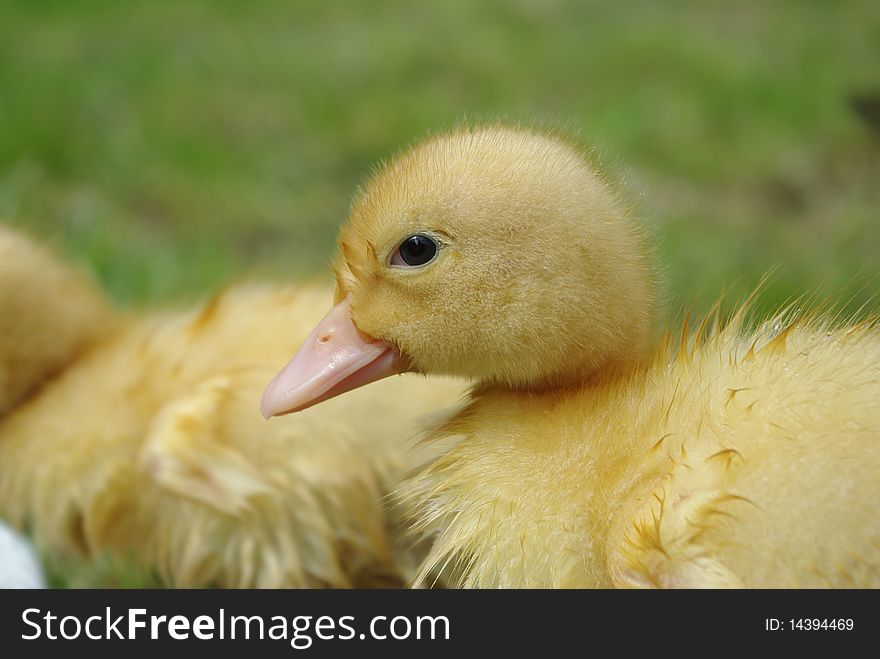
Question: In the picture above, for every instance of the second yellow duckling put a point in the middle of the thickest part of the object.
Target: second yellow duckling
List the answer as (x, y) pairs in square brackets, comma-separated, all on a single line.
[(136, 437), (588, 456)]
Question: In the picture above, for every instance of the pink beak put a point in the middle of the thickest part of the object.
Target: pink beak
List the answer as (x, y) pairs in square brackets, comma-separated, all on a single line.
[(335, 358)]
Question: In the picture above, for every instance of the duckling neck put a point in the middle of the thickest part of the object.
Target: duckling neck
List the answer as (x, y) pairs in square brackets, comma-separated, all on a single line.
[(585, 376)]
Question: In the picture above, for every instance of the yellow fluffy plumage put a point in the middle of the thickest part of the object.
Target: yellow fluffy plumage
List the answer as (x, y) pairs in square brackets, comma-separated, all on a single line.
[(37, 340), (589, 455), (751, 460), (139, 437)]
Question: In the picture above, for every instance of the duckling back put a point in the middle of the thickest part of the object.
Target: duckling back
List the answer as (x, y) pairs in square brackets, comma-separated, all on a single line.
[(745, 459)]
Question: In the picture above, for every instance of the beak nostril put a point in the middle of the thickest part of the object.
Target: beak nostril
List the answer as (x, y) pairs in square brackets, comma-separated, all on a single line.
[(324, 338)]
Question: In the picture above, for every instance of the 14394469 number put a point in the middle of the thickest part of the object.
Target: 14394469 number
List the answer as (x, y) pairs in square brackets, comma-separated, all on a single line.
[(813, 624)]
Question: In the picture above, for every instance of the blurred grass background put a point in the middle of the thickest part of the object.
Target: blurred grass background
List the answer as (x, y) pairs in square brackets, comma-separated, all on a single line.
[(175, 147)]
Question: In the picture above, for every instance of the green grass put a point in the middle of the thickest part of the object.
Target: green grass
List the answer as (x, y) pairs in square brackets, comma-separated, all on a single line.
[(177, 146), (103, 572)]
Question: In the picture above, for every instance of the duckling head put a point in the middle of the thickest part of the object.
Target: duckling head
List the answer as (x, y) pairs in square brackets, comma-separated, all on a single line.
[(494, 253)]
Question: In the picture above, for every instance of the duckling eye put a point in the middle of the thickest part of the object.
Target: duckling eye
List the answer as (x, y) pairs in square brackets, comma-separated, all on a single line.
[(414, 251)]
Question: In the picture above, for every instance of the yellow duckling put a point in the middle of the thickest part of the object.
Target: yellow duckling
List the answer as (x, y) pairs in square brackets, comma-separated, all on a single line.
[(138, 437), (589, 455)]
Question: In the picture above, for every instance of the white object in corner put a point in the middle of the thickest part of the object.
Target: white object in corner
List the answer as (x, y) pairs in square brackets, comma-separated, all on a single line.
[(19, 566)]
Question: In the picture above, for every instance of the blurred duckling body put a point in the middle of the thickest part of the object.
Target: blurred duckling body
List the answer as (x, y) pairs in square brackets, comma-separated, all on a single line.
[(588, 454), (38, 340), (146, 444)]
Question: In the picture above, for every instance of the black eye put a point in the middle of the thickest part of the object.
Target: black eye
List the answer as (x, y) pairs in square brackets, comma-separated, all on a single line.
[(415, 250)]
